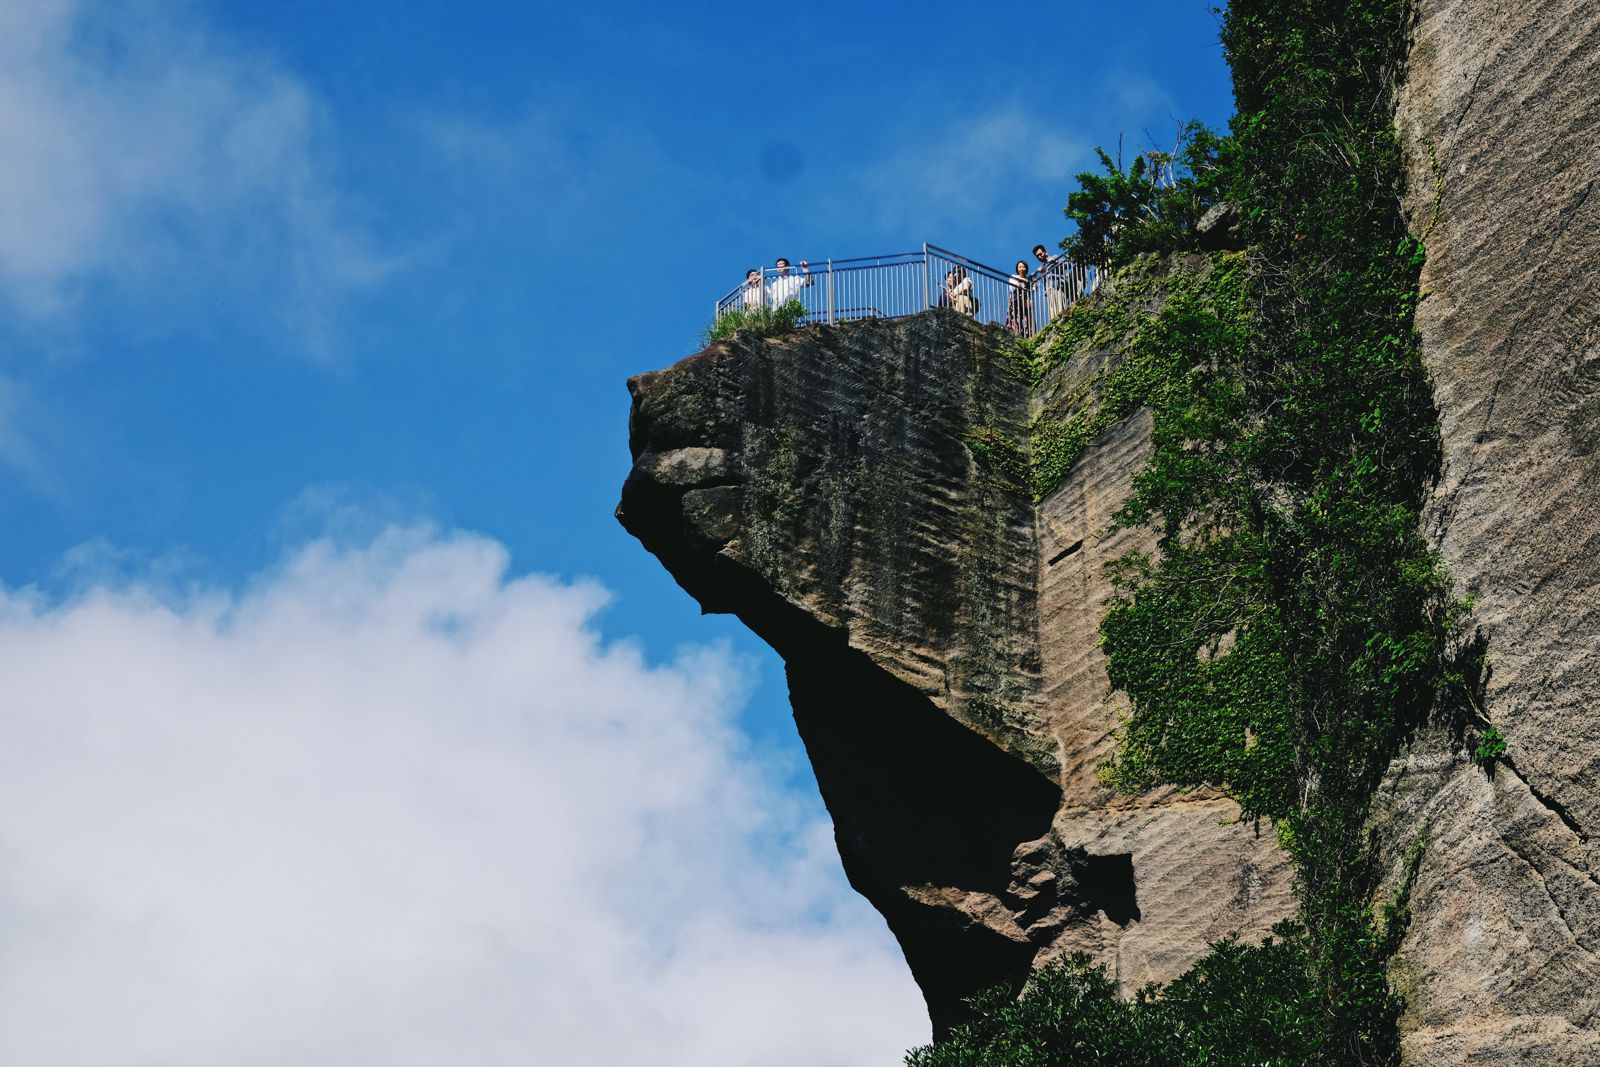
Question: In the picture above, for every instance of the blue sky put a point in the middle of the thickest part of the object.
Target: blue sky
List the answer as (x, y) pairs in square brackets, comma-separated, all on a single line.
[(366, 280)]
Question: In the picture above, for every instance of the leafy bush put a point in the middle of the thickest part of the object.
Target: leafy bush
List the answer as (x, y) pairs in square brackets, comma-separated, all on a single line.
[(1154, 204), (1241, 1004), (762, 321)]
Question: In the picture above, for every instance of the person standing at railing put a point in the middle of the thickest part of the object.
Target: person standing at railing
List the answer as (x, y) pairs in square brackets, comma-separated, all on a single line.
[(786, 287), (753, 296), (1053, 277), (1019, 309), (958, 292)]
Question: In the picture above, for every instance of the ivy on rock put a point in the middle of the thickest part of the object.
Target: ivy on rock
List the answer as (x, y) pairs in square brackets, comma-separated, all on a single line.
[(1292, 625)]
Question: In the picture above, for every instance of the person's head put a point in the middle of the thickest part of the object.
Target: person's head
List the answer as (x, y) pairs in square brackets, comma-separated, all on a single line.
[(752, 276), (783, 265), (1022, 267), (1040, 253)]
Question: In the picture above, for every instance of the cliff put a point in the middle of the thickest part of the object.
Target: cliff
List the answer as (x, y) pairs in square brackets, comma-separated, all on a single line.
[(1370, 543), (1499, 115), (859, 497)]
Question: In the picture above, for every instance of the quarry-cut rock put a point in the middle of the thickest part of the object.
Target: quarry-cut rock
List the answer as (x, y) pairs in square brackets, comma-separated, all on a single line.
[(1500, 115), (858, 495)]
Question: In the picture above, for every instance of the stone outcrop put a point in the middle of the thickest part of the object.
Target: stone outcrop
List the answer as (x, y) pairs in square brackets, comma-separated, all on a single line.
[(1500, 117), (858, 496)]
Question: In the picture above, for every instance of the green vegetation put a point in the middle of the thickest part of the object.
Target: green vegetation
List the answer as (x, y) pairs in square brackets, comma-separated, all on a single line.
[(762, 321), (1491, 746), (1173, 319), (1240, 1005), (1154, 204), (1292, 625), (1000, 452)]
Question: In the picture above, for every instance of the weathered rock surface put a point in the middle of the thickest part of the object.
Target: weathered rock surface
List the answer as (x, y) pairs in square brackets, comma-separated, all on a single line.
[(857, 495), (1500, 116)]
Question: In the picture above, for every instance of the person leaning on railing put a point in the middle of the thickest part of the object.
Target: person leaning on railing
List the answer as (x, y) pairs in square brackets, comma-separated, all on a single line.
[(786, 287), (1053, 277), (1019, 309), (958, 292), (753, 297)]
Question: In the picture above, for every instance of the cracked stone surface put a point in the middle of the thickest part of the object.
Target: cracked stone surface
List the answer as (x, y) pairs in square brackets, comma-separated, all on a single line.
[(1500, 118), (853, 495)]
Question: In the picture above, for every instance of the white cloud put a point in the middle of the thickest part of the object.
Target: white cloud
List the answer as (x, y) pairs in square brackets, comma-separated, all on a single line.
[(136, 150), (1000, 161), (390, 806), (971, 166)]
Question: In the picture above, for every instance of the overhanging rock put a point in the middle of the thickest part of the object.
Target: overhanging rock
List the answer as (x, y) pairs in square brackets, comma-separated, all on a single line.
[(859, 497)]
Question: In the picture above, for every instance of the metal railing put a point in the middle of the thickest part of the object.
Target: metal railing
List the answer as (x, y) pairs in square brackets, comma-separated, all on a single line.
[(894, 286), (1057, 284)]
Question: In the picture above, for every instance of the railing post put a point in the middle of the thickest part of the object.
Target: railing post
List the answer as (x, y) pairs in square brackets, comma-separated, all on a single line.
[(925, 302), (830, 290)]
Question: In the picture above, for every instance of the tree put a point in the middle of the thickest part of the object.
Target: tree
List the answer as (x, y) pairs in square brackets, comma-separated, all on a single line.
[(1153, 205)]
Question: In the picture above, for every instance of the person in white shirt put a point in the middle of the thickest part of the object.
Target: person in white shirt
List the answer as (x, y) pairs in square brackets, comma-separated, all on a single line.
[(1052, 275), (786, 287), (958, 292), (752, 289)]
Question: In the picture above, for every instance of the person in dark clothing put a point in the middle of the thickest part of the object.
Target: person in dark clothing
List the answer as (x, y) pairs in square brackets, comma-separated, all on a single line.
[(1019, 309)]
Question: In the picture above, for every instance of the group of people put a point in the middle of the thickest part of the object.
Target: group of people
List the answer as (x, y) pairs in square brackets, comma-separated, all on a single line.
[(781, 285), (1049, 276), (781, 288)]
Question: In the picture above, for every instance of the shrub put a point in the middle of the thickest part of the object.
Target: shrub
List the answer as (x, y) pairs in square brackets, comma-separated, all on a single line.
[(1241, 1004), (762, 321), (1491, 745), (1154, 204)]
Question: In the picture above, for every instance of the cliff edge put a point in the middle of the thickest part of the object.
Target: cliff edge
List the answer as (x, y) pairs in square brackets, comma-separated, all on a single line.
[(859, 496)]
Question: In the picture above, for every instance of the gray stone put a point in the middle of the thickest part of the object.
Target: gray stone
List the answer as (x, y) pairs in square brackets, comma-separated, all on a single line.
[(1218, 228), (691, 467), (1500, 116)]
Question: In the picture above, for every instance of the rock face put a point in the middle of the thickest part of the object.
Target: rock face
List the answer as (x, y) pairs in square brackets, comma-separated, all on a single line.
[(1500, 117), (857, 495)]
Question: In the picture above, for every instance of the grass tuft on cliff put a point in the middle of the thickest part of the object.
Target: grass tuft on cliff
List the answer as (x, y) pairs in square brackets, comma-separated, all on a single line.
[(761, 321)]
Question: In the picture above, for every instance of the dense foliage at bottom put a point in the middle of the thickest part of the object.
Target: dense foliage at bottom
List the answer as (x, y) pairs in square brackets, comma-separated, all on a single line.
[(1241, 1004), (1293, 625)]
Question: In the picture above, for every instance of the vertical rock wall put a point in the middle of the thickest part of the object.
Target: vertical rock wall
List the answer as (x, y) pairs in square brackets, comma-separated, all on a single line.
[(825, 488), (1201, 874), (1501, 121)]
